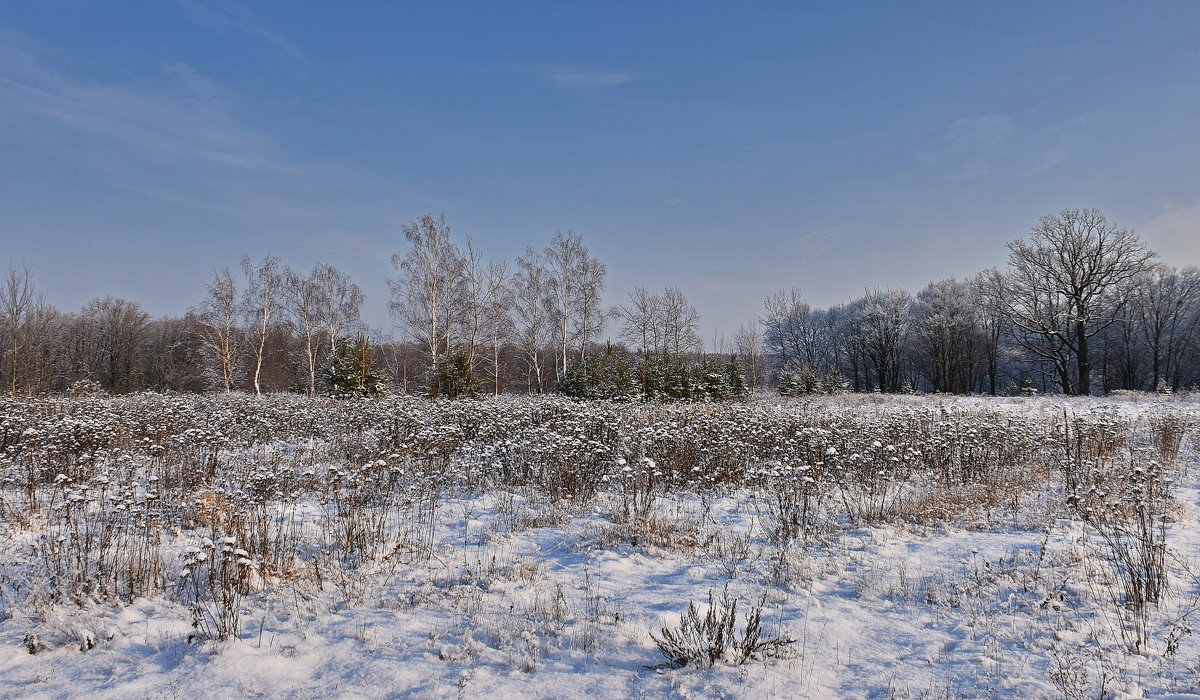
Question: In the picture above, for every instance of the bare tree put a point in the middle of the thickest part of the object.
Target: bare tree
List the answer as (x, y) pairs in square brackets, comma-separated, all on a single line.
[(643, 321), (1166, 306), (427, 296), (948, 336), (645, 329), (590, 317), (497, 317), (680, 322), (531, 315), (220, 334), (882, 332), (1056, 288), (1047, 347), (475, 291), (339, 303), (994, 325), (17, 302), (44, 330), (263, 298), (748, 344), (665, 324), (575, 281), (799, 336), (304, 304), (114, 329), (170, 355)]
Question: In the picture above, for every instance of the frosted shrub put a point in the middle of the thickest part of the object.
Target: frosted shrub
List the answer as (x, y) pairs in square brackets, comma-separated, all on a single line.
[(703, 640), (214, 578)]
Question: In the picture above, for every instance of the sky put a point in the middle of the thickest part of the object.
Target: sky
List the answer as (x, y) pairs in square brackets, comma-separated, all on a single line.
[(731, 149)]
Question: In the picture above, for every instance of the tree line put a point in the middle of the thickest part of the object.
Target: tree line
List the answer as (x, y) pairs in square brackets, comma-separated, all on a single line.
[(1081, 306)]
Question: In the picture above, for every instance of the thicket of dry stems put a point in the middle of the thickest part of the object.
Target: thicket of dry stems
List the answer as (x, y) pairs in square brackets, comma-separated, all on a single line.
[(205, 499)]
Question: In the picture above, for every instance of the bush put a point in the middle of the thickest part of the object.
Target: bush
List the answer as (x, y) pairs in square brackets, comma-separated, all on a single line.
[(702, 641)]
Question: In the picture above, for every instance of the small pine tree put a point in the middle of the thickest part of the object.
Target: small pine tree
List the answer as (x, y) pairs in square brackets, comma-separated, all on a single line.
[(352, 373), (714, 384), (454, 377), (681, 382), (735, 379), (607, 377), (835, 382), (617, 381), (809, 381), (789, 383), (652, 377), (575, 382)]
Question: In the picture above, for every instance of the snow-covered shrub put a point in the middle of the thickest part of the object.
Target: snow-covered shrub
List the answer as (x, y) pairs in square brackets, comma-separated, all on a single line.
[(703, 640), (214, 577), (1128, 513)]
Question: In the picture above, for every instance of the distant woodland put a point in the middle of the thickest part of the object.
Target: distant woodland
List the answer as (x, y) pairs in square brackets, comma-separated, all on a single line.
[(1081, 306)]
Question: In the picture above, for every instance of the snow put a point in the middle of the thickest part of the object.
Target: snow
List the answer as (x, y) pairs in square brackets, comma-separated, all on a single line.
[(515, 595)]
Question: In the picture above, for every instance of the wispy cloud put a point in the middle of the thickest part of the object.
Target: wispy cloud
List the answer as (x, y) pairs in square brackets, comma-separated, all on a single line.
[(990, 145), (973, 144), (232, 16), (193, 126), (973, 169), (982, 130), (196, 83), (1057, 153), (568, 76), (573, 77), (174, 137)]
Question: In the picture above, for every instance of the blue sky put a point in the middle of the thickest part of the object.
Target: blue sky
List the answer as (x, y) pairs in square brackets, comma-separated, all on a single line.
[(731, 149)]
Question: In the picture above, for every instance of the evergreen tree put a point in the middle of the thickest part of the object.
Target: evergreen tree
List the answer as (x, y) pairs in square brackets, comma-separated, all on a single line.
[(713, 383), (735, 379), (619, 383), (789, 383), (454, 377), (681, 382), (575, 382), (608, 377), (352, 373), (652, 375)]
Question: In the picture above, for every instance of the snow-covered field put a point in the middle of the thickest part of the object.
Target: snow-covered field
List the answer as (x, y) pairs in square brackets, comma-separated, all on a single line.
[(227, 546)]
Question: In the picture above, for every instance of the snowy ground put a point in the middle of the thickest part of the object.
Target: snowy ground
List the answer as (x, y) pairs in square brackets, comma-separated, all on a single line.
[(505, 592)]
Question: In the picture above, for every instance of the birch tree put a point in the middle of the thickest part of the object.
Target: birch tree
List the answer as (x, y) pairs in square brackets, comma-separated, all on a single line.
[(304, 305), (17, 301), (575, 281), (531, 315), (427, 294), (339, 303), (261, 306), (221, 336), (748, 345), (498, 317), (476, 290)]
